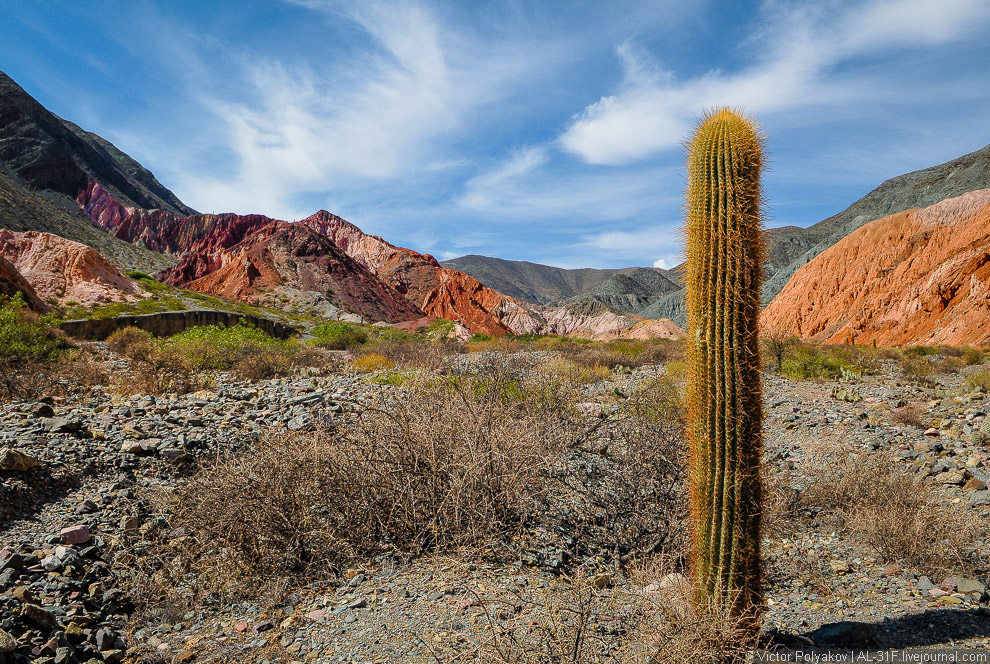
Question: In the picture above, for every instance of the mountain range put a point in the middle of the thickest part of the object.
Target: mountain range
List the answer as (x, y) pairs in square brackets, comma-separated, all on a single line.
[(58, 179)]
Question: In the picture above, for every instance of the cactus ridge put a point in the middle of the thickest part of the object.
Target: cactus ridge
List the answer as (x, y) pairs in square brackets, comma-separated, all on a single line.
[(723, 233)]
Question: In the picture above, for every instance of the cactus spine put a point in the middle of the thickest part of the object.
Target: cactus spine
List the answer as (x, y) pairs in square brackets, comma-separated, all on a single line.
[(724, 399)]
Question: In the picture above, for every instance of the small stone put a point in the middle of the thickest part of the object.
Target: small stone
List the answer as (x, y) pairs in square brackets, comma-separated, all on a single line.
[(600, 581), (87, 507), (840, 566), (970, 586), (38, 616), (316, 615), (925, 584), (64, 425), (184, 657), (16, 461), (949, 599), (262, 627), (952, 477), (22, 595), (7, 643), (78, 534), (112, 656), (241, 627), (973, 484), (130, 525), (932, 432), (979, 498), (132, 447)]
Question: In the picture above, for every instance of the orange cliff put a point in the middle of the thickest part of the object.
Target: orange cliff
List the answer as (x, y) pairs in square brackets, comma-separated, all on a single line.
[(916, 277)]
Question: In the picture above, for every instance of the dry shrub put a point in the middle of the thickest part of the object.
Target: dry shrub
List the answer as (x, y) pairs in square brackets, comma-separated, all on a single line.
[(371, 362), (907, 416), (447, 464), (416, 354), (121, 340), (575, 620), (154, 368), (573, 373), (78, 370), (979, 381), (900, 517), (621, 483)]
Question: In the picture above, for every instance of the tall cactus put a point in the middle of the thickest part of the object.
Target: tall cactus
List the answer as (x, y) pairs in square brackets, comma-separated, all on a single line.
[(724, 399)]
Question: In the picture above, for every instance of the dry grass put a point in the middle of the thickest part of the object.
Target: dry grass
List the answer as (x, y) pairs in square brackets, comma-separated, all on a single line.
[(901, 518), (979, 381), (477, 462), (447, 465), (907, 416), (576, 619), (573, 373), (371, 362)]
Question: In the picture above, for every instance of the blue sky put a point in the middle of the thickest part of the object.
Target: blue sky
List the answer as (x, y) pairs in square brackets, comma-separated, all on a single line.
[(541, 131)]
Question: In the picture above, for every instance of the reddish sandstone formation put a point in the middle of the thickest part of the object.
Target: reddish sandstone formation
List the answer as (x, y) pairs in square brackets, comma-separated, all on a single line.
[(13, 282), (249, 257), (915, 277), (67, 271), (252, 258), (281, 256), (437, 290)]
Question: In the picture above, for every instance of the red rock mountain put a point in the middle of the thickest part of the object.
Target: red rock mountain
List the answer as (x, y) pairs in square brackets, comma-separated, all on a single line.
[(921, 276), (438, 291), (66, 271), (251, 258)]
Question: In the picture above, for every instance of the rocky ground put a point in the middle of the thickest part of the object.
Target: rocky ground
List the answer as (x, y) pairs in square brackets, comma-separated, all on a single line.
[(73, 473)]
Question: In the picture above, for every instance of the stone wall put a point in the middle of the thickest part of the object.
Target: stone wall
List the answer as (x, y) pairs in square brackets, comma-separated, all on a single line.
[(167, 323)]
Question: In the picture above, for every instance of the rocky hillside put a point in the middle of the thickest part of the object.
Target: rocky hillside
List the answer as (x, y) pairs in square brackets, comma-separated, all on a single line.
[(631, 290), (24, 210), (790, 247), (917, 189), (252, 258), (914, 277), (61, 271), (49, 153)]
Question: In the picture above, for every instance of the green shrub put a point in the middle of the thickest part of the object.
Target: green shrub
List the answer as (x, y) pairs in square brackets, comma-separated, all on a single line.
[(28, 344), (338, 336), (217, 347), (441, 328), (812, 362)]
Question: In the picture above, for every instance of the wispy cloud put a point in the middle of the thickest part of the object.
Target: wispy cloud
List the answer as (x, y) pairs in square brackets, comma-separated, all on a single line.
[(800, 46)]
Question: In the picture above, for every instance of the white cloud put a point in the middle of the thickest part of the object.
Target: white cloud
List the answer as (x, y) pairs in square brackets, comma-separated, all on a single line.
[(661, 264), (653, 110)]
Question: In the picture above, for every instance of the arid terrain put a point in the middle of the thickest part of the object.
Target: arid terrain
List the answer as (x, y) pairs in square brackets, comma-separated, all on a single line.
[(415, 500)]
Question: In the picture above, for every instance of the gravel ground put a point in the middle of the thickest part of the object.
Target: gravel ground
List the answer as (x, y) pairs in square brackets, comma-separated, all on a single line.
[(66, 522)]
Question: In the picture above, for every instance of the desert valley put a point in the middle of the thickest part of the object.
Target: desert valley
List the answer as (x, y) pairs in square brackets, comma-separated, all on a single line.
[(236, 438)]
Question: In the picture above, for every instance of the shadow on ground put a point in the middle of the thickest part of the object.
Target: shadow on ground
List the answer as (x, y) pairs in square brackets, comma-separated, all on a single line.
[(24, 494), (935, 627)]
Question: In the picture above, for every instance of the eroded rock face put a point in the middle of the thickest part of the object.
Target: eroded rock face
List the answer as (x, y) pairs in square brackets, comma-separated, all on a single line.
[(66, 271), (257, 259), (915, 277), (438, 291), (251, 258), (13, 282), (280, 257)]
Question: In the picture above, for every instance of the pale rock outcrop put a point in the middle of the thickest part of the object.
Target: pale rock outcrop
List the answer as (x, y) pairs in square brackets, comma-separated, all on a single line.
[(67, 271)]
